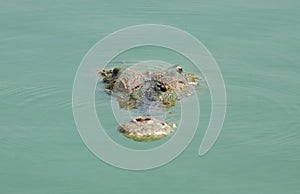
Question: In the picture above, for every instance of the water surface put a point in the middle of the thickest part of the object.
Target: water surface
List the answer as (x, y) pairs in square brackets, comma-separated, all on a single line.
[(256, 44)]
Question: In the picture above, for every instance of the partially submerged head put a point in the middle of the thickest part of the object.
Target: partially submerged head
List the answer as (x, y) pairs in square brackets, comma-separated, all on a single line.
[(137, 89), (133, 86)]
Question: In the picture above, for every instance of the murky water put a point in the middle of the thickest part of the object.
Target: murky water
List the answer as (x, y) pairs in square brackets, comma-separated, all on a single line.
[(256, 45)]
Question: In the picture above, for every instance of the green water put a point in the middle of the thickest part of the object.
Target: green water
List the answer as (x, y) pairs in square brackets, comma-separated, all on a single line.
[(256, 44)]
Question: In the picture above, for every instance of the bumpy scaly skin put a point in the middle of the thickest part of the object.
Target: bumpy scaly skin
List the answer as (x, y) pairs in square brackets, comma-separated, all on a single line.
[(145, 128), (134, 89)]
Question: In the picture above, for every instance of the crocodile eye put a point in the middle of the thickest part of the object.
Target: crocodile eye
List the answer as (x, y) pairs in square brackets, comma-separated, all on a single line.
[(179, 69), (163, 89), (116, 71)]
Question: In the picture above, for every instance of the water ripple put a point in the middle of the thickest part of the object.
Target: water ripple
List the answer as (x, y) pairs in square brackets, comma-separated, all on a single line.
[(42, 94)]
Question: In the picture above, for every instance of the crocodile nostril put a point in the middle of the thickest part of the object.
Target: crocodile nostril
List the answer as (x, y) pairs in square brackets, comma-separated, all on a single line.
[(138, 119)]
